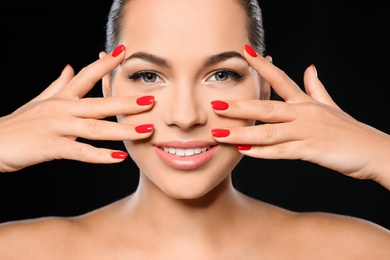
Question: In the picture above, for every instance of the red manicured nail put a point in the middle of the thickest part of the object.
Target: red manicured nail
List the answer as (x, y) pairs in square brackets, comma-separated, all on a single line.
[(315, 69), (142, 129), (118, 50), (250, 51), (119, 155), (220, 132), (145, 100), (219, 105), (243, 147)]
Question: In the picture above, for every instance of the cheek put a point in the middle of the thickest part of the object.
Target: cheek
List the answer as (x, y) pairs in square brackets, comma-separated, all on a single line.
[(247, 89), (253, 85)]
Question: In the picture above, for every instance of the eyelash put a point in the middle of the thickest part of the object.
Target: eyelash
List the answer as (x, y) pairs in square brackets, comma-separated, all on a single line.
[(231, 73), (136, 76)]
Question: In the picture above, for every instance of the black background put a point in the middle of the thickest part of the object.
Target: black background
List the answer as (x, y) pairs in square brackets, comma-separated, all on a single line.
[(347, 42)]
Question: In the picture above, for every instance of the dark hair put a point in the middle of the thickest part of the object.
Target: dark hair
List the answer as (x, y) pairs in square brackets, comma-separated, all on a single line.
[(251, 7)]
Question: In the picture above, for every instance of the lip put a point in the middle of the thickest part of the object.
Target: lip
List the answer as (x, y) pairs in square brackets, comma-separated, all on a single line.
[(185, 162)]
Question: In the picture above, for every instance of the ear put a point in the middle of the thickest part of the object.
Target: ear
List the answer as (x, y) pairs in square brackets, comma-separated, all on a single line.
[(265, 87), (106, 86)]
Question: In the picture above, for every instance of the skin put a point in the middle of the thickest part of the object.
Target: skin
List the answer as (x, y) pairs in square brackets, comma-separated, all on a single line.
[(197, 213), (184, 91)]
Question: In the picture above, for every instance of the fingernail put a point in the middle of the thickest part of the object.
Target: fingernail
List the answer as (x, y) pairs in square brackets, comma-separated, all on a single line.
[(118, 50), (220, 132), (145, 100), (219, 105), (142, 129), (250, 51), (315, 69), (119, 155), (243, 147)]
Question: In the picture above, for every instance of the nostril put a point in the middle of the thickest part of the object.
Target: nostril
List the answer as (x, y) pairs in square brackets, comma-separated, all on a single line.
[(186, 108)]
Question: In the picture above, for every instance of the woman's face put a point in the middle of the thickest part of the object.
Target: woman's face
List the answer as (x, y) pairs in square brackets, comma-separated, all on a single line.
[(186, 54)]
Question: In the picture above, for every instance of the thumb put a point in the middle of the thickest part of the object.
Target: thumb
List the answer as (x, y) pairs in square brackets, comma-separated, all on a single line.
[(66, 75), (315, 89)]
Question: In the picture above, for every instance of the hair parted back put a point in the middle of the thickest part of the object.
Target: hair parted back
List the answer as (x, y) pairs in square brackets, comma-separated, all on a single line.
[(255, 24)]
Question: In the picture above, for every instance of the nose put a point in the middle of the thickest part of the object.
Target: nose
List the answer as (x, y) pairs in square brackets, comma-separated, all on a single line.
[(185, 108)]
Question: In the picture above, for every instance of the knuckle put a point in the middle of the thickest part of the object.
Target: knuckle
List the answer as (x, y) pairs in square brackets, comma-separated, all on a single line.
[(271, 111), (270, 131), (95, 107), (94, 127), (47, 108), (81, 151), (313, 110), (282, 149), (267, 107), (86, 153)]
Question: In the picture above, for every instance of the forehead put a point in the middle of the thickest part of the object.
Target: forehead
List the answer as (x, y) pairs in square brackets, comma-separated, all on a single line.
[(195, 24)]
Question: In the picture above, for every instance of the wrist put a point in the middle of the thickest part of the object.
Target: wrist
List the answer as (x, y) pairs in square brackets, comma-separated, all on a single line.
[(381, 162)]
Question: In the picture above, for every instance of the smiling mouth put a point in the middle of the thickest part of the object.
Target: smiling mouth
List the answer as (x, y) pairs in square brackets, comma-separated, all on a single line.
[(185, 152)]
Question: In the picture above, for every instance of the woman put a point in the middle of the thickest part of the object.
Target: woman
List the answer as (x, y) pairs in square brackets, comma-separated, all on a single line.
[(186, 107)]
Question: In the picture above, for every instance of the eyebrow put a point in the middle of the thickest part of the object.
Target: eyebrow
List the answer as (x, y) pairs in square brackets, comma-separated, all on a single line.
[(214, 59), (149, 58), (217, 58)]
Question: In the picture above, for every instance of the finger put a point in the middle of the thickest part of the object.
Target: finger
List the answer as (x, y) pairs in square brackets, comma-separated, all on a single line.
[(83, 152), (285, 151), (315, 89), (86, 79), (267, 134), (110, 106), (269, 111), (93, 129), (102, 54), (283, 85), (66, 75)]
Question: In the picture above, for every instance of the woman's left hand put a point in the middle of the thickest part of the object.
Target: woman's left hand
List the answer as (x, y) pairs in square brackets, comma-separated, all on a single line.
[(310, 127)]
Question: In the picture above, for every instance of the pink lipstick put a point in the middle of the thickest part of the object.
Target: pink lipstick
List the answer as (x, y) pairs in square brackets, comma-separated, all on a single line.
[(185, 155)]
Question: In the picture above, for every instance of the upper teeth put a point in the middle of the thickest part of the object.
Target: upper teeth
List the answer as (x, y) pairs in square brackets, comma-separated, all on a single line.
[(185, 152)]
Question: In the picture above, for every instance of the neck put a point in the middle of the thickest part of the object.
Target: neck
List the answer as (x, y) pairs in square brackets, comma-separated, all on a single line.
[(163, 213)]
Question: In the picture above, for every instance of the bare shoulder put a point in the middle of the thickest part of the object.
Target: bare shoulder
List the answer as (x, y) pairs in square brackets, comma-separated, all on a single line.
[(36, 239), (294, 235), (340, 237)]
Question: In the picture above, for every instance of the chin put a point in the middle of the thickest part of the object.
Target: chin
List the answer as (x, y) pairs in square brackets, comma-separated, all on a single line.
[(193, 186), (187, 193)]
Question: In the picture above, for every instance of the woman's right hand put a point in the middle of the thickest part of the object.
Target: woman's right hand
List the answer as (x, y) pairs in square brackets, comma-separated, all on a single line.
[(47, 127)]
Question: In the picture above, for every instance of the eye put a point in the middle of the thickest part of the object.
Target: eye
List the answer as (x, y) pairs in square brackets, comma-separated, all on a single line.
[(146, 77), (225, 75)]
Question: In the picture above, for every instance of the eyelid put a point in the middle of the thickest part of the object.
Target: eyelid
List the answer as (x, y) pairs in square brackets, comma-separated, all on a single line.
[(234, 75), (136, 76)]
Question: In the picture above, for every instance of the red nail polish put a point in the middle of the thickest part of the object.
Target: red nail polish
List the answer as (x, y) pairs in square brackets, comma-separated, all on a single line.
[(142, 129), (219, 105), (118, 50), (145, 100), (243, 147), (315, 69), (119, 155), (220, 132), (250, 51)]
